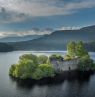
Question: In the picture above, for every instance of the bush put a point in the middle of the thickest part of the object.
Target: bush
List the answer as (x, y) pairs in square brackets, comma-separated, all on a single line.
[(56, 57), (67, 57)]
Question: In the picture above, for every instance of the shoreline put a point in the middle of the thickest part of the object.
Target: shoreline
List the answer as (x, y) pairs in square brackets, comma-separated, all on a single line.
[(58, 78), (49, 50)]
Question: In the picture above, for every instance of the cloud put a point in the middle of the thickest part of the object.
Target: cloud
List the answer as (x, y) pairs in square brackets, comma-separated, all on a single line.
[(8, 16), (19, 10), (34, 31), (69, 28), (82, 4)]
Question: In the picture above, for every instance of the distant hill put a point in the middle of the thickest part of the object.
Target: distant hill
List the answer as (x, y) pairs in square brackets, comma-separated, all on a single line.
[(19, 38), (5, 47), (58, 40)]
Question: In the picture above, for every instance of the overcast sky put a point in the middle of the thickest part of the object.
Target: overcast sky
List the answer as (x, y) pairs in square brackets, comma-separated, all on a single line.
[(20, 16)]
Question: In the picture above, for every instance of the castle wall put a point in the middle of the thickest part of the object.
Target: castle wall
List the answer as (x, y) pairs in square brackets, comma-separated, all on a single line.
[(65, 65)]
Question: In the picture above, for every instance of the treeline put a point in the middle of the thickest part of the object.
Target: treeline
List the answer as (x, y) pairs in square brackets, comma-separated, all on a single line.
[(4, 47)]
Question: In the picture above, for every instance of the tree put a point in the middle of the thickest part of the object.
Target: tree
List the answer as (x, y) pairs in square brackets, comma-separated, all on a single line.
[(28, 67), (24, 69), (28, 64), (11, 70), (38, 74), (86, 64), (42, 59), (18, 72), (80, 50), (29, 57), (47, 70), (71, 48), (43, 70), (77, 49)]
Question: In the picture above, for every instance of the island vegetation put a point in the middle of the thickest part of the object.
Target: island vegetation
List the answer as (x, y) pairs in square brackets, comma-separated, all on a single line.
[(31, 66), (38, 67), (78, 50)]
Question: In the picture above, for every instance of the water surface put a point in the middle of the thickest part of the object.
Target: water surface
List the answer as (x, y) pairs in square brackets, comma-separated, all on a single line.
[(73, 87)]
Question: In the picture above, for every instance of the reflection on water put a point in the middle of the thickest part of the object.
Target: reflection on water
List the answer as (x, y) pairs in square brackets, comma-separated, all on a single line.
[(69, 84), (81, 77), (75, 84)]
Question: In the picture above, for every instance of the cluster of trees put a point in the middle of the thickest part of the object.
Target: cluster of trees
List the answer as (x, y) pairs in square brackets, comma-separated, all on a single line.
[(78, 50), (86, 64), (31, 66), (38, 67)]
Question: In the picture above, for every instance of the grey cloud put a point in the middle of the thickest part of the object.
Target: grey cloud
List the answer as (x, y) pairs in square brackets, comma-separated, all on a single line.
[(34, 31), (8, 16), (18, 10)]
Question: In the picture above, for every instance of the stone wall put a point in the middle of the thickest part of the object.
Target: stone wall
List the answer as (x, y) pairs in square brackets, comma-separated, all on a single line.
[(65, 65)]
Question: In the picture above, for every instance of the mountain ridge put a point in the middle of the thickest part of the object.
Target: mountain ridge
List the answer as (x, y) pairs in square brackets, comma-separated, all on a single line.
[(57, 40), (19, 38)]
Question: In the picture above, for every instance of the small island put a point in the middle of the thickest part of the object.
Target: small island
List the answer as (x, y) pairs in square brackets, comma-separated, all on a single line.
[(38, 67)]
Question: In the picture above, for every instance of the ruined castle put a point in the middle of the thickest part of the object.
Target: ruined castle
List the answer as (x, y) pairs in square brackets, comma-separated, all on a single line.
[(65, 65)]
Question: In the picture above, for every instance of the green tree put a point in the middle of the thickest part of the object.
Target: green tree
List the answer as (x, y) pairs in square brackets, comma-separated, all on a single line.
[(28, 64), (12, 69), (24, 69), (42, 59), (86, 64), (80, 50), (29, 57), (18, 72), (38, 74), (71, 48), (47, 70), (43, 70)]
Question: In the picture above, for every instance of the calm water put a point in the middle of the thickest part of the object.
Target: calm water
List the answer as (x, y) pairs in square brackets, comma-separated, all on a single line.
[(73, 87)]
